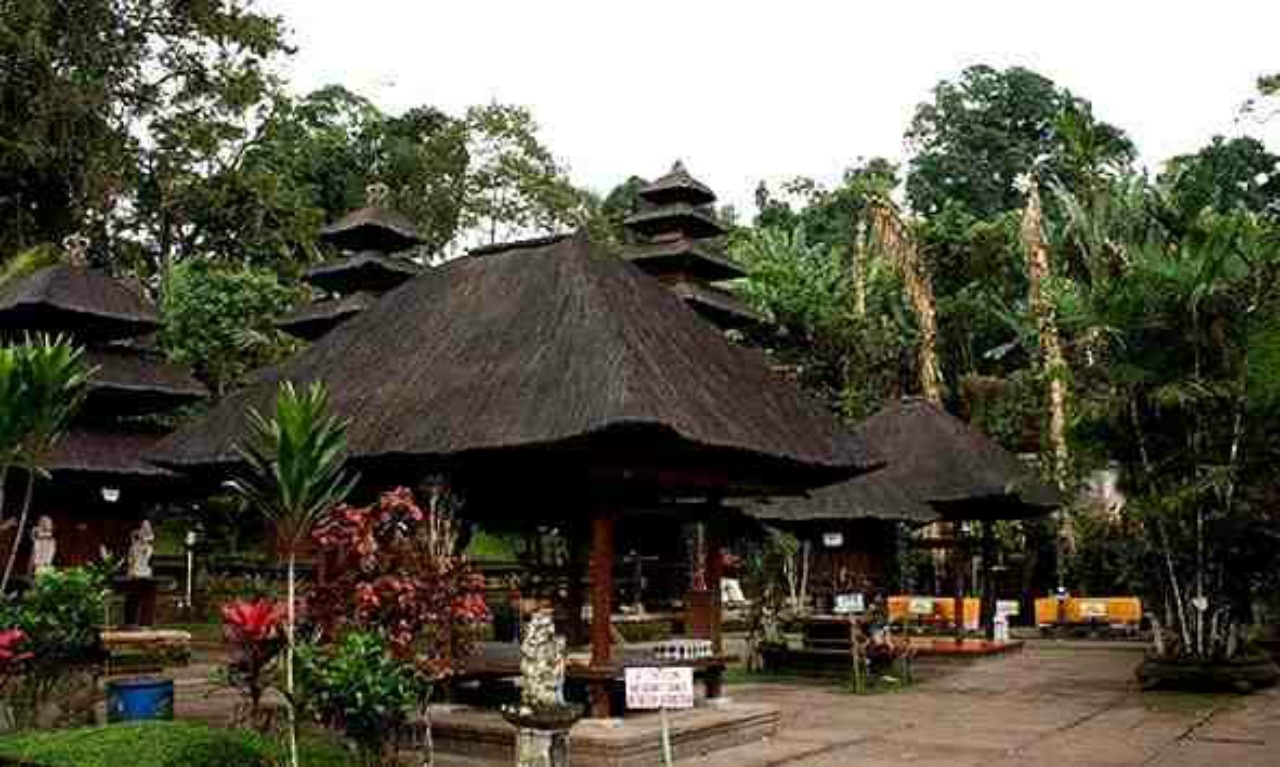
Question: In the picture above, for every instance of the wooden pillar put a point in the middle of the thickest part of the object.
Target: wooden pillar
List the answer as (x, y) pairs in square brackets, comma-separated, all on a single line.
[(715, 573), (989, 594), (957, 569), (602, 554)]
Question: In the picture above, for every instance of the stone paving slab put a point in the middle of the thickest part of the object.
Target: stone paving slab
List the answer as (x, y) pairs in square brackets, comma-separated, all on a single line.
[(1056, 704)]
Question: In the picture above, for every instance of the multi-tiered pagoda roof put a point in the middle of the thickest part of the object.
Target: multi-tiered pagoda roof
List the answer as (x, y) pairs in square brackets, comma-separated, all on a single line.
[(372, 237), (677, 240), (101, 313)]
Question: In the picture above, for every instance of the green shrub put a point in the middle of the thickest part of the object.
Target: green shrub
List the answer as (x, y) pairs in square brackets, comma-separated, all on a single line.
[(162, 744), (144, 744)]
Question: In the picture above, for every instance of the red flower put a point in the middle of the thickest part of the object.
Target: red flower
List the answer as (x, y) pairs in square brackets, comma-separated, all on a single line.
[(9, 641), (255, 621)]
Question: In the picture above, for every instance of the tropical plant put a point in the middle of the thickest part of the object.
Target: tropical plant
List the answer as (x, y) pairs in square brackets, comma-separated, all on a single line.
[(395, 570), (359, 686), (42, 384), (1165, 323), (253, 630), (294, 474), (220, 320)]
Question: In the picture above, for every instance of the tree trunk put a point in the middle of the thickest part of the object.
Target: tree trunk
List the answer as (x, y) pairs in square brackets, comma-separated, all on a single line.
[(290, 643), (17, 536), (1052, 361)]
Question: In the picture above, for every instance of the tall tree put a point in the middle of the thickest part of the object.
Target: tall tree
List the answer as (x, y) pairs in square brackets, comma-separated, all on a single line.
[(1224, 175), (101, 94), (515, 186), (980, 132)]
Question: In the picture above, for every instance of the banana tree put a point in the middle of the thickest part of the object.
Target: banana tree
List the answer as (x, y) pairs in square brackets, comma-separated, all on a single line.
[(295, 475)]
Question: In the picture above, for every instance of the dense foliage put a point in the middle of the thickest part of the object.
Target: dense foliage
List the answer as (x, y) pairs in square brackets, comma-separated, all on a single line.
[(60, 618), (1163, 292)]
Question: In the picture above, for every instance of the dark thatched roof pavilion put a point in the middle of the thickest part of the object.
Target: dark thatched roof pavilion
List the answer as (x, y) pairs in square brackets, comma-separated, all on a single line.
[(565, 381), (955, 468), (563, 353)]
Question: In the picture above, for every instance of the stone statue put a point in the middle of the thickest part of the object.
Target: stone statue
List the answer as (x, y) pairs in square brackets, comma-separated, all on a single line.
[(141, 547), (542, 719), (542, 664), (43, 546)]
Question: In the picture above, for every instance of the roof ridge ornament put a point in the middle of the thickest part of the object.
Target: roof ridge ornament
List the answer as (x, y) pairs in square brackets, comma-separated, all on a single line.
[(377, 194), (76, 248)]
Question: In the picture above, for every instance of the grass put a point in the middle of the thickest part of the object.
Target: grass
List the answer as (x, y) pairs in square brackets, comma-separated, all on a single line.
[(161, 744)]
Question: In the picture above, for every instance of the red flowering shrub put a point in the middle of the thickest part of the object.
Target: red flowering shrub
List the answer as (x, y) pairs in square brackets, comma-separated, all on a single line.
[(12, 657), (393, 569), (255, 631)]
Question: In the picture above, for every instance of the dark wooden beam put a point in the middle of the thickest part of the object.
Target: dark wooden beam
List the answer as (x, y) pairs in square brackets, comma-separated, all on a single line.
[(603, 547)]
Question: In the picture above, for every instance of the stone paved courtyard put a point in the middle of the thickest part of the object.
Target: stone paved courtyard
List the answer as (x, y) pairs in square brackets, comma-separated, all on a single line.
[(1053, 704)]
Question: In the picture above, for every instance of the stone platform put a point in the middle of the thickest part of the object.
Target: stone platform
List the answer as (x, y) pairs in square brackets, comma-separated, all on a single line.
[(635, 741)]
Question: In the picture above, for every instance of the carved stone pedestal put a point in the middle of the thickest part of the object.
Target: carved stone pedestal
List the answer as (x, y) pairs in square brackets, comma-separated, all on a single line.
[(542, 737)]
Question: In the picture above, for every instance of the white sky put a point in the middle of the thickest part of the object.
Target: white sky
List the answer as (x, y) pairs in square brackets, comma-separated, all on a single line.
[(745, 91)]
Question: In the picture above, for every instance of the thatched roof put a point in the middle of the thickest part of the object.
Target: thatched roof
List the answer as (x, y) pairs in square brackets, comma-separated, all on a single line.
[(369, 271), (131, 382), (938, 467), (315, 320), (557, 352), (678, 217), (113, 453), (719, 306), (677, 186), (681, 255), (372, 228), (869, 496), (952, 465), (76, 300)]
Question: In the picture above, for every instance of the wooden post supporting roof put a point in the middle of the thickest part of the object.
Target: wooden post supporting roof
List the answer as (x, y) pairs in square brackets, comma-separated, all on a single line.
[(603, 523), (989, 595)]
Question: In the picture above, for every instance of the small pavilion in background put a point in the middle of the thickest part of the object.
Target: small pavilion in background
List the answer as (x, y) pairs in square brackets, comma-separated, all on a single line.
[(552, 383), (677, 240), (375, 241), (99, 485), (938, 468)]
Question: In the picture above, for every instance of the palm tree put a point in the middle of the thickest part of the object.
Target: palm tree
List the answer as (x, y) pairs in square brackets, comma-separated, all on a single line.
[(42, 384), (294, 474)]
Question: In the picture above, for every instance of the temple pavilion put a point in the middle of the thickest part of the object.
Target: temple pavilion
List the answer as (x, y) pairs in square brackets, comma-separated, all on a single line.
[(939, 468), (552, 383), (99, 486), (676, 238), (374, 241)]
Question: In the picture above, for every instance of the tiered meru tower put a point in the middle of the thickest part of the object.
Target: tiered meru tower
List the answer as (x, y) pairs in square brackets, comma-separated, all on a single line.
[(99, 485), (374, 239), (677, 241)]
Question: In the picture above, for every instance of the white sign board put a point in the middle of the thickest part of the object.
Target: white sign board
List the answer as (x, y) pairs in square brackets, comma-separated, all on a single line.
[(650, 688), (1008, 607), (847, 604), (833, 540), (1093, 608), (920, 606)]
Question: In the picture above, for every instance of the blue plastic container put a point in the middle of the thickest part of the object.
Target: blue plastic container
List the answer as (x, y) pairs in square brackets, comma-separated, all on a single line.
[(131, 700)]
